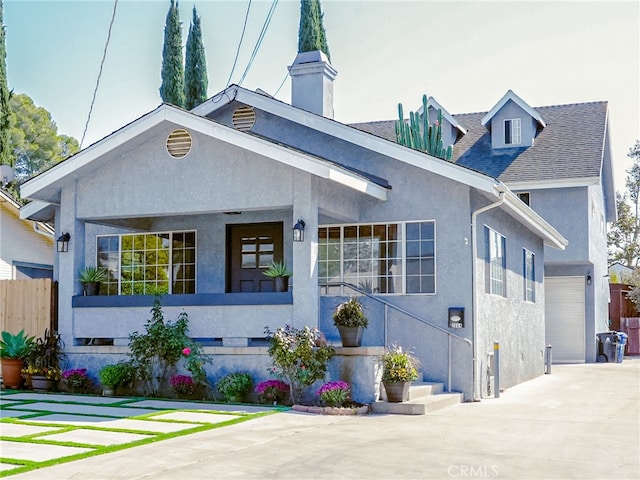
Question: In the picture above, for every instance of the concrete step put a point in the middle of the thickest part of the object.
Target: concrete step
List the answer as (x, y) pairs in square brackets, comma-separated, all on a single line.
[(424, 397)]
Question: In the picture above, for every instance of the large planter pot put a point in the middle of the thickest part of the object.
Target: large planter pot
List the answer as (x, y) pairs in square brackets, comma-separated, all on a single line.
[(281, 284), (11, 372), (91, 288), (351, 336), (40, 383), (397, 391)]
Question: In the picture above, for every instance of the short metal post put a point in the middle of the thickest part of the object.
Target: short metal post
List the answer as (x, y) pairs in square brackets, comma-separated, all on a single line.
[(547, 360), (496, 373), (386, 321)]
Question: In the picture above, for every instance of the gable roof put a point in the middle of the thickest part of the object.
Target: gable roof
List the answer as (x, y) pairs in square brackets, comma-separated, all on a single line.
[(570, 150), (47, 186), (433, 103), (510, 96)]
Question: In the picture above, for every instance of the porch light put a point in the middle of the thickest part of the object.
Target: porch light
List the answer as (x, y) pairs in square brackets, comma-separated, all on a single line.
[(298, 231), (63, 242), (588, 278)]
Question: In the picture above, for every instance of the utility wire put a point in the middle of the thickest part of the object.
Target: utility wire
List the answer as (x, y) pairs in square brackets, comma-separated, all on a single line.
[(244, 27), (104, 56), (286, 75), (265, 26)]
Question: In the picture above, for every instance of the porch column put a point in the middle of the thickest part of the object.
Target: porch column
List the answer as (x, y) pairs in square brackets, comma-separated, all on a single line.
[(305, 254), (69, 262)]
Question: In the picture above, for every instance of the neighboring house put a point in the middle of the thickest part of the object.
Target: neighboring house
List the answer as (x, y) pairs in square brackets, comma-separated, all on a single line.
[(26, 247), (557, 159), (196, 204), (619, 273)]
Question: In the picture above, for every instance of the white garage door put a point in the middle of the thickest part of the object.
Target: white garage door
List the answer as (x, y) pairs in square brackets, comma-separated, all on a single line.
[(564, 318)]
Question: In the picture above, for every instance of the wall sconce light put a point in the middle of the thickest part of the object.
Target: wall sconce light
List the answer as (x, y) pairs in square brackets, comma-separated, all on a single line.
[(298, 231), (63, 242), (588, 278)]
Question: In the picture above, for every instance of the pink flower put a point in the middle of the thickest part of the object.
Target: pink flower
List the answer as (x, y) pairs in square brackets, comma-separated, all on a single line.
[(186, 351)]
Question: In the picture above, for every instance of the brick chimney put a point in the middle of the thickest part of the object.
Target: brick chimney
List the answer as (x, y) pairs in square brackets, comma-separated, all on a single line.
[(312, 78)]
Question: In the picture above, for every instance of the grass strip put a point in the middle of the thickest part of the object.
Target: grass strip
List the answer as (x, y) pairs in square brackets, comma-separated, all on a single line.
[(29, 465)]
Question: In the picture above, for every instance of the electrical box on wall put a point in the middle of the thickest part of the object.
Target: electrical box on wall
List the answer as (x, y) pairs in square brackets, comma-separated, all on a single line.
[(456, 317)]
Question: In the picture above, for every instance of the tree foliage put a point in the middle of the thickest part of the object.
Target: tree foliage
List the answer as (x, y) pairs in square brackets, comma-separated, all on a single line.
[(311, 33), (624, 235), (5, 112), (196, 81), (34, 140), (172, 88)]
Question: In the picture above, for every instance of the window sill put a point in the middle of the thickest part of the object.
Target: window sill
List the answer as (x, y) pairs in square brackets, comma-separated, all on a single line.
[(204, 299)]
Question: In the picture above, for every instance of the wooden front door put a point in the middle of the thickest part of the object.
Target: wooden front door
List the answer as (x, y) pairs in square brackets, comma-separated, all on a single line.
[(250, 250)]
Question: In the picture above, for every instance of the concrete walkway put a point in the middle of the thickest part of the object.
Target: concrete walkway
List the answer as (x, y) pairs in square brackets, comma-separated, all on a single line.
[(582, 422)]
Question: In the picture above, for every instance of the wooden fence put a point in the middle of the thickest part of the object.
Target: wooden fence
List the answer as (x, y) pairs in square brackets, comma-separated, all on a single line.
[(28, 304)]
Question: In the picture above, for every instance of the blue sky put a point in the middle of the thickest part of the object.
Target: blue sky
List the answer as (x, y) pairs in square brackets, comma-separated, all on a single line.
[(465, 54)]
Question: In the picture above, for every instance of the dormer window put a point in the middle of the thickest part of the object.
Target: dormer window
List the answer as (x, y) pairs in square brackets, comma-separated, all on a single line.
[(512, 132)]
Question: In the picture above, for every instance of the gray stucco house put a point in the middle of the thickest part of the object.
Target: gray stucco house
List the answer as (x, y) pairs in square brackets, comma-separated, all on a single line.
[(557, 159), (196, 204)]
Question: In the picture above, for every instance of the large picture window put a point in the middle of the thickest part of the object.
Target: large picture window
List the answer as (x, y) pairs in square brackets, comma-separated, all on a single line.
[(379, 258), (148, 263), (497, 262)]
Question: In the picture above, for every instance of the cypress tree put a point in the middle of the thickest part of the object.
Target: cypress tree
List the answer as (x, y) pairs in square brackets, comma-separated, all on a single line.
[(6, 156), (311, 34), (195, 71), (172, 88)]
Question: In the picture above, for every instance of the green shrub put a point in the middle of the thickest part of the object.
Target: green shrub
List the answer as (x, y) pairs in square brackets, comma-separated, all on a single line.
[(299, 357), (234, 385), (116, 375)]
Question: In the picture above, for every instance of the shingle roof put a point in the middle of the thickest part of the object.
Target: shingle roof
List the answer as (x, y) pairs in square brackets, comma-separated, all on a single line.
[(570, 146)]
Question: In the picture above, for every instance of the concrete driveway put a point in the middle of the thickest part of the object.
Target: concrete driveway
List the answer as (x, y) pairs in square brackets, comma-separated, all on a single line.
[(581, 422)]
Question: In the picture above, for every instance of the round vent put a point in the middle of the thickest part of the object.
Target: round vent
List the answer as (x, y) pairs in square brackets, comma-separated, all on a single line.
[(244, 118), (179, 143)]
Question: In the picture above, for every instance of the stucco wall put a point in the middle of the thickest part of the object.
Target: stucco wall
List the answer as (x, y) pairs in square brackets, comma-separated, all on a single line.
[(517, 325)]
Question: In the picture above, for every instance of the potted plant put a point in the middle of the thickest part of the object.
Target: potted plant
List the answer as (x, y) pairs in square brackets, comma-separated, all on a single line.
[(234, 386), (91, 277), (45, 359), (272, 391), (399, 369), (77, 380), (14, 349), (351, 321), (114, 376), (280, 274)]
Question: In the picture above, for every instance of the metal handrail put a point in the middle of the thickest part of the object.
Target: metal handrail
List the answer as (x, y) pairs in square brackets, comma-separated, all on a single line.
[(388, 305)]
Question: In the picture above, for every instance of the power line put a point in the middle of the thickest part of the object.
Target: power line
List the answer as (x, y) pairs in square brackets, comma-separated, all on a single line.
[(244, 27), (104, 56), (265, 26), (286, 75)]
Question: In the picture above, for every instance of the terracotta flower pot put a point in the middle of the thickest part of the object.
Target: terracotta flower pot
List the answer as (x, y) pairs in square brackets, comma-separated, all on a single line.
[(11, 372)]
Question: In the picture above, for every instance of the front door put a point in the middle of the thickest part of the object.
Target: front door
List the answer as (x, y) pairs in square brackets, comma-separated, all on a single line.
[(250, 250)]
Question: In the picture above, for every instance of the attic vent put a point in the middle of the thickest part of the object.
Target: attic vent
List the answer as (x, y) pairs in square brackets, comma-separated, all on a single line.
[(179, 143), (244, 118)]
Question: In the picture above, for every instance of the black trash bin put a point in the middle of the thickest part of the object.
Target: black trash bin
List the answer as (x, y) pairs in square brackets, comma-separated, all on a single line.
[(607, 346)]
